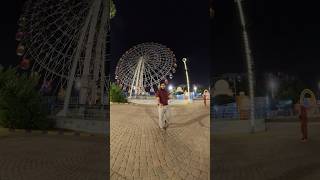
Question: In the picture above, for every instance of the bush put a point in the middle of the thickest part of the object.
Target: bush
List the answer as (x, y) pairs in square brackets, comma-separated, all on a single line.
[(178, 93), (20, 103), (116, 94), (223, 100)]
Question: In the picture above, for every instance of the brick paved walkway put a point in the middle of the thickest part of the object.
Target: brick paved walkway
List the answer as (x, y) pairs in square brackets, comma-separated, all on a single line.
[(140, 150), (52, 157), (275, 155)]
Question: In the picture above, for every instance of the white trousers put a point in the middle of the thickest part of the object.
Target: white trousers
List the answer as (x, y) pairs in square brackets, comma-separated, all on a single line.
[(163, 115)]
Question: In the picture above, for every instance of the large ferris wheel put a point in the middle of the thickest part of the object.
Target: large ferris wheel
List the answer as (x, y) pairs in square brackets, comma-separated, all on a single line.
[(65, 42), (143, 66)]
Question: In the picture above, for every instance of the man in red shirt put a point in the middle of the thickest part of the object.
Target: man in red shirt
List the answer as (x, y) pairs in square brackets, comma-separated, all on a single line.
[(304, 123), (205, 97), (162, 98)]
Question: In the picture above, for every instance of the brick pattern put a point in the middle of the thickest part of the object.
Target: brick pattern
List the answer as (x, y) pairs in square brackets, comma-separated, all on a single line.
[(276, 154), (52, 157), (140, 150)]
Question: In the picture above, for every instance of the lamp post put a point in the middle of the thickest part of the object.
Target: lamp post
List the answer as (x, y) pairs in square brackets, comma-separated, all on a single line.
[(184, 60), (249, 64), (170, 88), (318, 90), (272, 86)]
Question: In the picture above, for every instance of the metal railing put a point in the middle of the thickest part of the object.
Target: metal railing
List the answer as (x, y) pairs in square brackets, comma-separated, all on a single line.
[(76, 110), (233, 113)]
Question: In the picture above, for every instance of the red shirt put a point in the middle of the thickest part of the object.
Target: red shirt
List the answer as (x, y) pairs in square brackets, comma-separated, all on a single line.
[(303, 114), (163, 96)]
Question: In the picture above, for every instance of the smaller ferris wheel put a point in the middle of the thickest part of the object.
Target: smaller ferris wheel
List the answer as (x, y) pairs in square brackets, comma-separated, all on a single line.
[(142, 68)]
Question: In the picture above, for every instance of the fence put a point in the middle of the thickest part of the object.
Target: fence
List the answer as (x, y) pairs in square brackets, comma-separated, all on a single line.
[(75, 110), (231, 111)]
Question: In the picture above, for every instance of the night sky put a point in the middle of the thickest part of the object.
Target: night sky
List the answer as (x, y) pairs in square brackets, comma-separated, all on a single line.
[(9, 15), (181, 25), (284, 36)]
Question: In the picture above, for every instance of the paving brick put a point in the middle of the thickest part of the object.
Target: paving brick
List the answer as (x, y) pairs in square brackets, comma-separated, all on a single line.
[(161, 154), (276, 154), (51, 157)]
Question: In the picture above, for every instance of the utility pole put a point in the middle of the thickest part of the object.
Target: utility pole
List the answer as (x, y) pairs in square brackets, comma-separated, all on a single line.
[(249, 65)]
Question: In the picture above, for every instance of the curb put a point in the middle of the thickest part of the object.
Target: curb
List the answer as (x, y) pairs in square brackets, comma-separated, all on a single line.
[(58, 132), (118, 103)]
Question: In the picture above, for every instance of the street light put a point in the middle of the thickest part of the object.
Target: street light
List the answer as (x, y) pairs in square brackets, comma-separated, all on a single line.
[(273, 87), (319, 90), (184, 60), (249, 64), (195, 91), (170, 87)]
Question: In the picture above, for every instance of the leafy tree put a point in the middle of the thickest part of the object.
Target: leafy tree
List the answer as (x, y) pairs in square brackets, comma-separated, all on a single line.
[(201, 89), (223, 99), (112, 9), (116, 94), (243, 86), (20, 103), (290, 90)]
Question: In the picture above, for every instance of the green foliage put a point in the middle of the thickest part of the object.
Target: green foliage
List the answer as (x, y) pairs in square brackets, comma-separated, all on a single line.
[(223, 99), (178, 93), (112, 9), (20, 102), (201, 89), (116, 94), (243, 86), (290, 90)]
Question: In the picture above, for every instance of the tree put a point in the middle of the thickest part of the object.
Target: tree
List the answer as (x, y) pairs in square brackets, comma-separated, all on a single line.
[(112, 9), (116, 94), (20, 103), (242, 86), (223, 100), (290, 90), (201, 89)]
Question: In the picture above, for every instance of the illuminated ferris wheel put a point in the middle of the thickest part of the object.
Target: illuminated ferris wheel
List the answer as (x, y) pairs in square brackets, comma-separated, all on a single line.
[(65, 42), (142, 68)]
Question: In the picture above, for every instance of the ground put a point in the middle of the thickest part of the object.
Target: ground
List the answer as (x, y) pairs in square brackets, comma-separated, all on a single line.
[(25, 156), (276, 154), (140, 150)]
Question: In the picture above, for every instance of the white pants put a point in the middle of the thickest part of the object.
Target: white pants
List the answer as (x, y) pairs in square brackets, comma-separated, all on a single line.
[(163, 115)]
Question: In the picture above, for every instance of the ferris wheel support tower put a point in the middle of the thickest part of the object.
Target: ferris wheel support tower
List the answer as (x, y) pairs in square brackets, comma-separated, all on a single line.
[(137, 81), (92, 43)]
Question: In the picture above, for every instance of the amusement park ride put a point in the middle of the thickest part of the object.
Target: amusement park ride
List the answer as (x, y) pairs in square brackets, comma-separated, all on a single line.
[(140, 70), (66, 43)]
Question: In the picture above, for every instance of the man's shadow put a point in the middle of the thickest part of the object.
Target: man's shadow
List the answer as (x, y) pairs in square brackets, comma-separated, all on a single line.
[(191, 121), (153, 115)]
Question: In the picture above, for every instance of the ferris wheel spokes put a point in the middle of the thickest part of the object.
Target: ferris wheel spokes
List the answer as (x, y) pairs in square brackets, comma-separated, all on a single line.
[(143, 67)]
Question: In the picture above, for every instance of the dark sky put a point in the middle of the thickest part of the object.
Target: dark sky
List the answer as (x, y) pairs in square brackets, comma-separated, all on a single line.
[(284, 36), (181, 25), (9, 15)]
